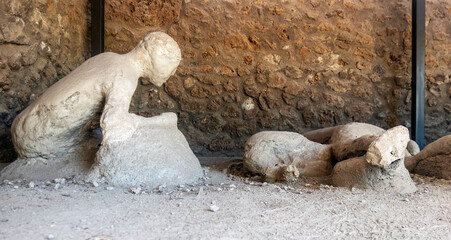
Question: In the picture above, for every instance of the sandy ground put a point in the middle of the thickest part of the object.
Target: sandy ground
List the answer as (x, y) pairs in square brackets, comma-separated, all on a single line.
[(228, 204)]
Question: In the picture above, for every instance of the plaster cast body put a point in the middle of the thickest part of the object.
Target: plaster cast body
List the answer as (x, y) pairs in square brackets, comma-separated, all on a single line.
[(55, 130), (352, 139), (286, 155), (366, 155), (381, 168)]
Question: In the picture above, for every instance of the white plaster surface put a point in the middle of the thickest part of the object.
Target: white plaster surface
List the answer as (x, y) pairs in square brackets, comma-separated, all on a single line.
[(56, 129)]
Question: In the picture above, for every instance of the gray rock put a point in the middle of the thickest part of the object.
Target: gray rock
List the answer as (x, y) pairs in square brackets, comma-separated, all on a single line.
[(275, 155), (156, 154), (413, 148), (434, 160)]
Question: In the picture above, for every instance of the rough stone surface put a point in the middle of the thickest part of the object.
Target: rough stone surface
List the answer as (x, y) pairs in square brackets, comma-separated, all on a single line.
[(358, 173), (40, 42), (285, 155), (156, 154), (434, 160), (331, 62), (388, 147)]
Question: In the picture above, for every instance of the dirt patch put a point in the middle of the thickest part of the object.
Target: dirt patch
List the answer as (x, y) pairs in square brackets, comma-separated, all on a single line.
[(228, 203)]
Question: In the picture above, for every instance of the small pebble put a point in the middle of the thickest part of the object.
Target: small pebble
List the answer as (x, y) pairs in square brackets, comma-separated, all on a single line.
[(136, 190), (50, 237), (31, 185), (57, 186), (95, 184), (213, 208), (60, 180), (16, 187), (109, 188)]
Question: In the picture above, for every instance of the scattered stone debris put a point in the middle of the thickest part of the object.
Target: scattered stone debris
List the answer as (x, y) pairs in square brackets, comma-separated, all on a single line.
[(135, 190), (60, 180), (213, 208)]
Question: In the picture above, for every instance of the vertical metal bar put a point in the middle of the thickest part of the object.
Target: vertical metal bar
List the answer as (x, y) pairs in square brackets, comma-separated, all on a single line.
[(418, 55), (97, 26)]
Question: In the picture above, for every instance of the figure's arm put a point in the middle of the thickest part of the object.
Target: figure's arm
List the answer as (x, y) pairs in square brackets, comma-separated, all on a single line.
[(116, 122), (320, 135)]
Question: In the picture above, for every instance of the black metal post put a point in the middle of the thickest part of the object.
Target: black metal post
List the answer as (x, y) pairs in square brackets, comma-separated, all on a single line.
[(418, 54), (97, 26)]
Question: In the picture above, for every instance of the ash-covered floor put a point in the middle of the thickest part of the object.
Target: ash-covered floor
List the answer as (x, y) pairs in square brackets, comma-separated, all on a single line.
[(227, 204)]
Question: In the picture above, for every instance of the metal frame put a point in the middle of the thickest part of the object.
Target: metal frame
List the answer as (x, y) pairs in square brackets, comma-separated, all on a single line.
[(97, 26), (418, 55)]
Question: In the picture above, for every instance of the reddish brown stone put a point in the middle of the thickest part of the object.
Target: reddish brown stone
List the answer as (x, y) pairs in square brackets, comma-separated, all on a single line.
[(363, 53), (201, 91), (269, 99), (231, 86), (276, 80), (236, 41), (292, 87), (252, 90), (256, 43), (309, 116), (303, 54), (334, 100), (339, 85), (276, 10), (247, 60), (209, 123), (325, 27)]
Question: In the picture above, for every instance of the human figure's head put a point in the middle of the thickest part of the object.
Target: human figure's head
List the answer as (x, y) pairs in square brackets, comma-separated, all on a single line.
[(159, 56)]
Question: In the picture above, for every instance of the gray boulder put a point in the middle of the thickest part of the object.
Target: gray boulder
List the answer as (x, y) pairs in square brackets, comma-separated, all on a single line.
[(156, 154), (434, 160)]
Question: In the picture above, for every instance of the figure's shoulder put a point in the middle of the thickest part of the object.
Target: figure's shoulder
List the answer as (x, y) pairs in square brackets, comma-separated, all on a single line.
[(105, 56)]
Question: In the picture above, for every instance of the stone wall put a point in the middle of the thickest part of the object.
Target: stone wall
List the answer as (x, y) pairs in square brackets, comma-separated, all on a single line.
[(247, 65), (40, 42)]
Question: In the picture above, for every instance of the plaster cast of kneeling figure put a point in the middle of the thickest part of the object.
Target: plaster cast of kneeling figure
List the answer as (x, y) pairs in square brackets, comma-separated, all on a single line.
[(57, 123)]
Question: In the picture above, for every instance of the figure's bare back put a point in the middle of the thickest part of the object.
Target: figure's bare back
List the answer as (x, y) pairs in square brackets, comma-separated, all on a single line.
[(68, 106)]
